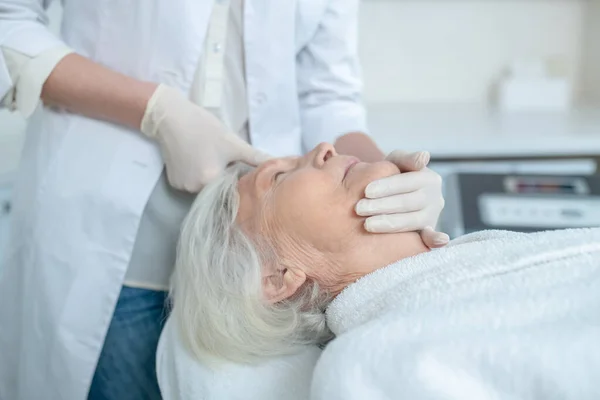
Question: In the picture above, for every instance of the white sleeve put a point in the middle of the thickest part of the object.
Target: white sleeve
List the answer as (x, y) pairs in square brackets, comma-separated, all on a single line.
[(28, 76), (329, 77), (24, 36)]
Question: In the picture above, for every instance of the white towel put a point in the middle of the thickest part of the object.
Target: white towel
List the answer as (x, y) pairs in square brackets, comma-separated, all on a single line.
[(495, 315), (181, 377)]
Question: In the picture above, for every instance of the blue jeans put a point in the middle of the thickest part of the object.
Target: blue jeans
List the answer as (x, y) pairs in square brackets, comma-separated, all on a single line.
[(127, 367)]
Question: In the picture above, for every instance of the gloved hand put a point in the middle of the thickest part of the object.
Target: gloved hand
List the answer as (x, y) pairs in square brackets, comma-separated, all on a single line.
[(195, 145), (409, 201)]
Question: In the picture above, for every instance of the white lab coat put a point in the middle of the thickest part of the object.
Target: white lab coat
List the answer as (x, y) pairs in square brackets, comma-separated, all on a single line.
[(83, 183)]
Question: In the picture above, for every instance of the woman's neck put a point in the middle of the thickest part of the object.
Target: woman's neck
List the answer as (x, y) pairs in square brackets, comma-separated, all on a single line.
[(371, 252)]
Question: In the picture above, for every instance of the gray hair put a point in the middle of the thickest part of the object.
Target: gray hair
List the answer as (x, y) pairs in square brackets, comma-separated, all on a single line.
[(217, 287)]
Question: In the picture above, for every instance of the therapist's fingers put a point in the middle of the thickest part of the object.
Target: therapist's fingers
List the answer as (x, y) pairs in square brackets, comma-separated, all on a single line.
[(434, 239), (242, 151), (408, 162), (401, 203), (394, 223), (402, 183), (407, 222)]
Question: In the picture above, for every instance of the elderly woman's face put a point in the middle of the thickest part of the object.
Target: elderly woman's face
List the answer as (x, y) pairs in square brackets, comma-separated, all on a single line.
[(307, 203)]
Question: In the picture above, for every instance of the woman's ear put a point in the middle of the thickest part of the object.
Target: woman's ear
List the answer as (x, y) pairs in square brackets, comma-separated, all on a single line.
[(282, 284)]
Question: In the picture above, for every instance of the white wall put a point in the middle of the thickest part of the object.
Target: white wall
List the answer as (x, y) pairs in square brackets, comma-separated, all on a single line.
[(452, 50), (591, 69)]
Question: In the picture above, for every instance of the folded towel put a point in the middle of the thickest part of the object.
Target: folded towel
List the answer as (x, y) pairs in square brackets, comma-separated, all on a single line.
[(495, 315), (181, 377)]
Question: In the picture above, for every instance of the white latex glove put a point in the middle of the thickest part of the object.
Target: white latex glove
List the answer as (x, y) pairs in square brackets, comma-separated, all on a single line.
[(409, 201), (195, 145)]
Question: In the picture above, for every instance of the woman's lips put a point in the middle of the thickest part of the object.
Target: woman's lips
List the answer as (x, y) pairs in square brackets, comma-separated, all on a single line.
[(349, 164)]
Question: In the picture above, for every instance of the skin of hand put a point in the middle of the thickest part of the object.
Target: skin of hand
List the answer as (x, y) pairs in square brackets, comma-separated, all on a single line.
[(195, 145)]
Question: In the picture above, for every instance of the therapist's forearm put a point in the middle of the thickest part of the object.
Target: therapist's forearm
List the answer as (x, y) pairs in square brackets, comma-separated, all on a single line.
[(359, 145), (81, 86)]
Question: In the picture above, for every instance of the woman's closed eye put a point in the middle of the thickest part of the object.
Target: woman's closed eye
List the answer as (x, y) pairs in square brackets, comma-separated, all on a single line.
[(277, 175), (281, 168)]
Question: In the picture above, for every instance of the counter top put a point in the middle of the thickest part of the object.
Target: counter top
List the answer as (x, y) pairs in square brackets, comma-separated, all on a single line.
[(450, 131)]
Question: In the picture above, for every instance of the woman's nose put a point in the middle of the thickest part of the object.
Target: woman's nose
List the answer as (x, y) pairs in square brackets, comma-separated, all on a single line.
[(321, 154)]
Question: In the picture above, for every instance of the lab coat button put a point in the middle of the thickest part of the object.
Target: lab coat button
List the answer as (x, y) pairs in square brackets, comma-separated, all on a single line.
[(6, 206), (217, 47), (260, 98)]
